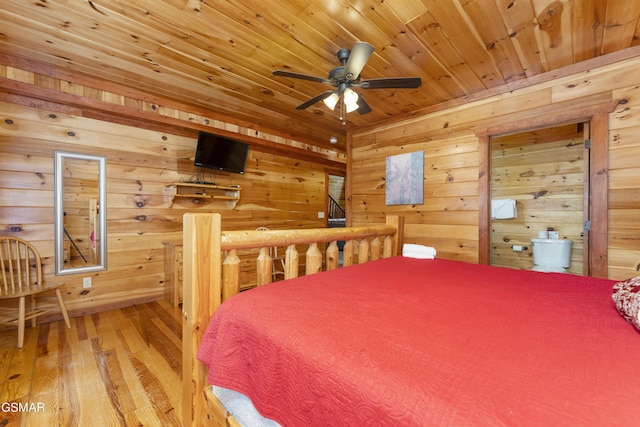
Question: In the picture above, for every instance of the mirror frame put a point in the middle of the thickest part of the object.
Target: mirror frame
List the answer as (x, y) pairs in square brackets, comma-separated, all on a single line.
[(59, 213)]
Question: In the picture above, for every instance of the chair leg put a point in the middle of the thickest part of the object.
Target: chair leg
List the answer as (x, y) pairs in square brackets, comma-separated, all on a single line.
[(63, 308), (33, 306), (21, 316)]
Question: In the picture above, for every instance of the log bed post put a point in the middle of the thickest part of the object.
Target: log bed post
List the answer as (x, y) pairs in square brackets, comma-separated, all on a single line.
[(202, 294), (208, 281), (398, 239)]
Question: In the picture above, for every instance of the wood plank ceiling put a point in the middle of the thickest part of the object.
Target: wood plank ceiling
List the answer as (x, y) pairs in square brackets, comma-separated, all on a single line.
[(220, 54)]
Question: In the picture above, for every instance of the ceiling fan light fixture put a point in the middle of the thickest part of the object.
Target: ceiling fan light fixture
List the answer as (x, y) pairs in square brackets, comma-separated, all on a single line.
[(350, 100), (331, 101), (351, 107)]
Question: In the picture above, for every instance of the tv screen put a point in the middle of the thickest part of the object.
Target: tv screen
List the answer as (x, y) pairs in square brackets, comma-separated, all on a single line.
[(220, 153)]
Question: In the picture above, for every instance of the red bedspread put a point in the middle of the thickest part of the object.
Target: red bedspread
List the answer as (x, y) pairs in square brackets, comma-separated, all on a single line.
[(429, 342)]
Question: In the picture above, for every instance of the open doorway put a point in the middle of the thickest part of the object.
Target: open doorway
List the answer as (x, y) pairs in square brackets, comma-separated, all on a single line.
[(336, 206), (596, 236), (539, 183), (336, 200)]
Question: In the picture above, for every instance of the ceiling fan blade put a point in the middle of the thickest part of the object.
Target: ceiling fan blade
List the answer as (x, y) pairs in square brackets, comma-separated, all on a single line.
[(363, 107), (282, 73), (358, 58), (315, 99), (393, 83)]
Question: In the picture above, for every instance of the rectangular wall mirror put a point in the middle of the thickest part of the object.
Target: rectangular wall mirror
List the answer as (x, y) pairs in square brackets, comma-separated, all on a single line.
[(80, 213)]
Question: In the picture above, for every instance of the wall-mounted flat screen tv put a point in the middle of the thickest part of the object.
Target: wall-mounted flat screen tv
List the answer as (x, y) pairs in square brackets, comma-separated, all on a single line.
[(220, 153)]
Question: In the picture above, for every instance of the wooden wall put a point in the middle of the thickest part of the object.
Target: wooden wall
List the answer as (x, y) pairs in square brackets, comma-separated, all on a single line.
[(543, 171), (278, 191), (449, 217)]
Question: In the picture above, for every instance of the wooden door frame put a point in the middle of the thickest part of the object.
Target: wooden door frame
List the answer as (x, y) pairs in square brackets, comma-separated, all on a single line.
[(586, 199), (598, 117)]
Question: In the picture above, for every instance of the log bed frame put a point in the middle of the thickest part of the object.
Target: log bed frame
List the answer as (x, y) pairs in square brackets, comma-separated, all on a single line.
[(210, 278)]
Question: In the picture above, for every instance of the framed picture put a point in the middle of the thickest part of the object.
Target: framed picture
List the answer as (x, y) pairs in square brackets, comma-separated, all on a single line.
[(405, 179)]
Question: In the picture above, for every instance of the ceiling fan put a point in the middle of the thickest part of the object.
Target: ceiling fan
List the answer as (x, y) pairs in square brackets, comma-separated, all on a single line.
[(346, 76)]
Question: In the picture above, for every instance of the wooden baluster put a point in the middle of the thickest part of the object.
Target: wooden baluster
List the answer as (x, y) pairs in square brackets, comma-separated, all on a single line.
[(230, 274), (264, 267), (388, 247), (376, 249), (363, 251), (313, 259), (291, 262), (347, 253), (3, 268), (398, 238), (332, 256)]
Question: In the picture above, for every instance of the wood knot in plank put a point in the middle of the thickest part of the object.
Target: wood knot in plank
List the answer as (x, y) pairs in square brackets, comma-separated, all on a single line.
[(550, 21)]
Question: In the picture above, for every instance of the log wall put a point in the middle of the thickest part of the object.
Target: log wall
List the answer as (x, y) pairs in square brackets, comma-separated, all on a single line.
[(449, 217), (278, 191)]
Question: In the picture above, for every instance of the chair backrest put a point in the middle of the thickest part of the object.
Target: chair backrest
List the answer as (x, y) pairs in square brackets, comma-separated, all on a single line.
[(20, 265)]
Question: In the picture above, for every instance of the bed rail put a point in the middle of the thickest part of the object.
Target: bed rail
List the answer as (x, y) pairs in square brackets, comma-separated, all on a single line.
[(212, 274)]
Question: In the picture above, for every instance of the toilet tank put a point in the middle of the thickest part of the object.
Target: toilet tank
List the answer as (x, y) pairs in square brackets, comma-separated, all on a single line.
[(552, 252)]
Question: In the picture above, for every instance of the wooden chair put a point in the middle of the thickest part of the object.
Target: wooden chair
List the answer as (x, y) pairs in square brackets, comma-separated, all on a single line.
[(277, 262), (21, 273)]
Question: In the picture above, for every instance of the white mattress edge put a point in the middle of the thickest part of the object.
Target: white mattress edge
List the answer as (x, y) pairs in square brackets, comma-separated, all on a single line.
[(240, 406)]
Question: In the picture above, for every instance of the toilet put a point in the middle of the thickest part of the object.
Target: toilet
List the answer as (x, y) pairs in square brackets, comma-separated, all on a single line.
[(552, 255)]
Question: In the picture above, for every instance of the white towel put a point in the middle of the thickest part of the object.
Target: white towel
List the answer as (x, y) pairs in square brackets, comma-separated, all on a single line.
[(410, 250), (503, 209)]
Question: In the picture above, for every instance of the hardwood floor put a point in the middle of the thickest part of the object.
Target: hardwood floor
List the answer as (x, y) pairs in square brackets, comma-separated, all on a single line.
[(116, 368)]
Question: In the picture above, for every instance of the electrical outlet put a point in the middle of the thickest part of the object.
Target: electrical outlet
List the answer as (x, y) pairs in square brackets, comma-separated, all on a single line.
[(86, 282), (320, 215)]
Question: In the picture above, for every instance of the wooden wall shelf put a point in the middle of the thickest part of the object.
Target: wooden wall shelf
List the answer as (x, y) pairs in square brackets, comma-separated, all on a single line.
[(206, 192)]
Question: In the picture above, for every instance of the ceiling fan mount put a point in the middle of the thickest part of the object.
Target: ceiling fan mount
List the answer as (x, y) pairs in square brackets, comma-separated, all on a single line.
[(343, 55), (346, 76)]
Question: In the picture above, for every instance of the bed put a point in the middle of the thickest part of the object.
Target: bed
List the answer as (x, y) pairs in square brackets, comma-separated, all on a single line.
[(404, 341)]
